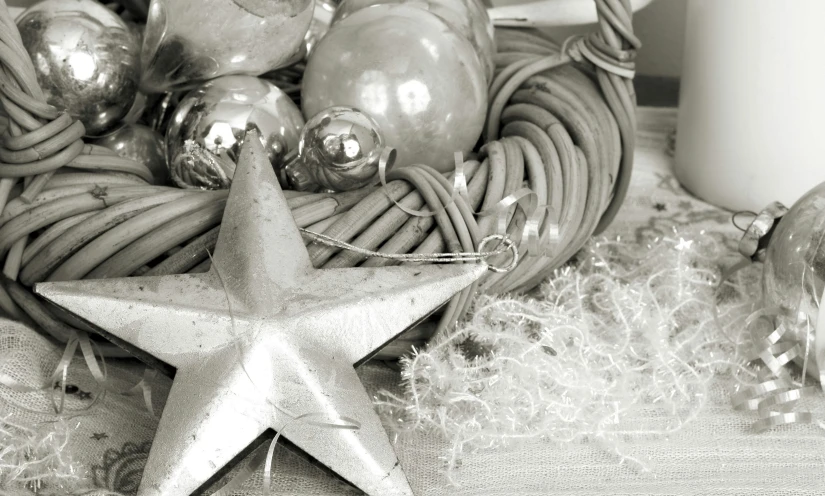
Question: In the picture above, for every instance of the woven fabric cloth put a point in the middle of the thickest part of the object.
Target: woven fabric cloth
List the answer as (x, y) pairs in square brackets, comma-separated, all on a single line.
[(716, 454)]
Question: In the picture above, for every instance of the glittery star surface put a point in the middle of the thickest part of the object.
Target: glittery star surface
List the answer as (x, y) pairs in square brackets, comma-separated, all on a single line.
[(263, 338)]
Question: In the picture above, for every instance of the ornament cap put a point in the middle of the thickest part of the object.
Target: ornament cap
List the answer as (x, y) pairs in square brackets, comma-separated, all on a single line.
[(754, 242)]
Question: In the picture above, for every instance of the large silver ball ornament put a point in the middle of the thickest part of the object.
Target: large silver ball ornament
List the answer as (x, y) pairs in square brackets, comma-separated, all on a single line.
[(141, 144), (339, 150), (420, 80), (206, 131), (794, 273), (86, 58), (190, 41), (468, 17)]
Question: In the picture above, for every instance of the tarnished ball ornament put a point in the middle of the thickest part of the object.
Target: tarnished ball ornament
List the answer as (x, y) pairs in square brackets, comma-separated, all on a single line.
[(206, 131), (190, 41), (340, 149), (420, 80), (86, 58), (141, 144)]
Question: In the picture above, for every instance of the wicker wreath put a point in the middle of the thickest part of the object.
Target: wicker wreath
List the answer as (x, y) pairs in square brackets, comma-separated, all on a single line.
[(561, 121)]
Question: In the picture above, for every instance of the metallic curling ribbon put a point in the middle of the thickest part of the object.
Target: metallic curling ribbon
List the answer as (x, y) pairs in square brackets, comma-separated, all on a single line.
[(87, 347), (778, 339), (524, 198), (777, 396)]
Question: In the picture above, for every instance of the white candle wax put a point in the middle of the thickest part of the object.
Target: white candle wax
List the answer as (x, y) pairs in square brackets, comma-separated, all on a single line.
[(750, 127)]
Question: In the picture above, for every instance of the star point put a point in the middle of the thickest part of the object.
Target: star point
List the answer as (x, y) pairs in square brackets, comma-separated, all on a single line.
[(256, 339)]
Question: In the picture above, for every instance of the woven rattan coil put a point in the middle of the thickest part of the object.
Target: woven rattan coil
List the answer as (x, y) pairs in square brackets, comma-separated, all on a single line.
[(561, 122)]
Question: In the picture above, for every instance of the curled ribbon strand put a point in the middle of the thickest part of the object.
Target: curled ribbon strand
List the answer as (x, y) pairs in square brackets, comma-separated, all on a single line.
[(459, 189), (60, 375), (777, 395), (776, 398), (525, 198)]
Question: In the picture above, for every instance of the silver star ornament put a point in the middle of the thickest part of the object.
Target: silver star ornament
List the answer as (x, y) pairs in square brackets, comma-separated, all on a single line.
[(263, 338)]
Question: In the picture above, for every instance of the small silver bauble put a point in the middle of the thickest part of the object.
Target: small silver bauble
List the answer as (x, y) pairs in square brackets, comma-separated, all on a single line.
[(141, 144), (86, 58), (207, 129), (339, 150)]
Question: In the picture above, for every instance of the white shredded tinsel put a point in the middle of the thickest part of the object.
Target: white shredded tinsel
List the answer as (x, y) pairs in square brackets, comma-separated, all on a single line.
[(621, 343), (37, 457)]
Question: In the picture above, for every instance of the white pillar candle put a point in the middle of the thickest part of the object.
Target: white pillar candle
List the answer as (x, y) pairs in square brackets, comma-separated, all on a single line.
[(752, 102), (546, 13)]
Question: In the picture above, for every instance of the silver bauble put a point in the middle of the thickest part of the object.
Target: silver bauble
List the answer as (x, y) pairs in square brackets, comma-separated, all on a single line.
[(467, 17), (207, 129), (190, 41), (86, 58), (339, 150), (141, 144), (420, 80), (794, 272)]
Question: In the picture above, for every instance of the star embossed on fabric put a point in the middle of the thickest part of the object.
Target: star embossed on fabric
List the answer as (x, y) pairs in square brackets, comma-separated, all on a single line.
[(255, 341)]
